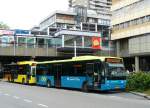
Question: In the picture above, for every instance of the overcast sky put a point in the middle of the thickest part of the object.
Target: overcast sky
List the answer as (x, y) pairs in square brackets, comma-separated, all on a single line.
[(24, 14)]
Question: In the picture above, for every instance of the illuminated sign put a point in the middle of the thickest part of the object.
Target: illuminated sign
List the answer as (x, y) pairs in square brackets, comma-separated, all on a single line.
[(77, 66), (96, 42), (33, 64), (113, 60), (6, 32)]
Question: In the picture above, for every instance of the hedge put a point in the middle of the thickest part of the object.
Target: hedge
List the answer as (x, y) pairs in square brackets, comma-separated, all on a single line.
[(139, 81)]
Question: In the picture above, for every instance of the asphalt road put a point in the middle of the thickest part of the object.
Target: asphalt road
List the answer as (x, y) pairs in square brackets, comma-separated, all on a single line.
[(23, 96)]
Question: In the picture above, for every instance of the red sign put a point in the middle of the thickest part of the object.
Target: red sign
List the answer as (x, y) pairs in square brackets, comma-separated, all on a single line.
[(96, 42), (113, 60), (6, 32)]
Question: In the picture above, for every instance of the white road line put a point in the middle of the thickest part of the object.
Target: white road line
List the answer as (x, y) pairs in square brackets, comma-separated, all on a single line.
[(6, 94), (42, 105), (16, 97), (27, 100)]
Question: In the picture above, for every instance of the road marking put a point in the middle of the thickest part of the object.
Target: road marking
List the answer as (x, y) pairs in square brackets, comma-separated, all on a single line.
[(42, 105), (16, 97), (6, 94), (27, 100)]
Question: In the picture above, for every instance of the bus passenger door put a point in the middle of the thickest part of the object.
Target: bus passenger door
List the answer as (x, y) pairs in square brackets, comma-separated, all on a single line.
[(97, 73), (90, 73), (57, 75), (33, 71), (32, 75)]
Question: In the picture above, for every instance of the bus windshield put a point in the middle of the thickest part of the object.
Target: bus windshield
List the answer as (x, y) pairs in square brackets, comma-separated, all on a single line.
[(24, 69), (116, 71)]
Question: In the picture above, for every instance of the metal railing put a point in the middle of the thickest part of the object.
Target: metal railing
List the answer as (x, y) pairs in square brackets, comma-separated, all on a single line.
[(27, 49)]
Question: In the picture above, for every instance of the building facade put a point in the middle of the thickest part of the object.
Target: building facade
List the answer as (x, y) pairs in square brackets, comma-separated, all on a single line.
[(101, 7), (79, 25), (131, 32)]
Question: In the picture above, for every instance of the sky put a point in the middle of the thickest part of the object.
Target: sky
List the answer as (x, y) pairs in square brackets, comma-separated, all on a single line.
[(24, 14)]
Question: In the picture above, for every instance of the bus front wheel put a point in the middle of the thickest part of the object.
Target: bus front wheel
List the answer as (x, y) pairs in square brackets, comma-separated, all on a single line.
[(48, 84), (85, 87)]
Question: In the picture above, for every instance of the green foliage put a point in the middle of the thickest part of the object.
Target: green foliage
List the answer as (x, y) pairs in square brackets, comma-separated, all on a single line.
[(3, 26), (139, 81)]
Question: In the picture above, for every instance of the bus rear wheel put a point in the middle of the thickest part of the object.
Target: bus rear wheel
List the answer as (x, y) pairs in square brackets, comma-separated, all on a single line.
[(9, 79), (85, 87), (48, 84)]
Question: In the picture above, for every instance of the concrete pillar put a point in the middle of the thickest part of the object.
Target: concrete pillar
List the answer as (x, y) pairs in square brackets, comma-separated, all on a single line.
[(48, 31), (82, 41), (95, 27), (81, 26), (63, 38), (137, 64), (118, 48)]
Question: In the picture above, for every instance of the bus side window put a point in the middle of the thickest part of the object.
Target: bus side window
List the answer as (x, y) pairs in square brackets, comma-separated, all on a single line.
[(49, 69), (78, 69), (90, 69)]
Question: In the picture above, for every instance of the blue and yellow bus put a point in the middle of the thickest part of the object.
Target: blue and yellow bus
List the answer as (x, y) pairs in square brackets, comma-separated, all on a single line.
[(84, 72)]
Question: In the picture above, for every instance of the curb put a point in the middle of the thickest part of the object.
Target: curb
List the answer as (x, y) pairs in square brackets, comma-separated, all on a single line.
[(141, 94)]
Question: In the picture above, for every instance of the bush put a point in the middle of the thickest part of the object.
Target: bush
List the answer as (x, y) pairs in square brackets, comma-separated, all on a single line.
[(139, 81)]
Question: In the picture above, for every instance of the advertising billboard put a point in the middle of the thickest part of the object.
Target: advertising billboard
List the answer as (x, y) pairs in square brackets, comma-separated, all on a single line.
[(22, 32), (7, 32), (96, 43)]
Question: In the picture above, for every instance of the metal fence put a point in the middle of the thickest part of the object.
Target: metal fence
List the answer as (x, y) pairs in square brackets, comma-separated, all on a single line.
[(27, 49)]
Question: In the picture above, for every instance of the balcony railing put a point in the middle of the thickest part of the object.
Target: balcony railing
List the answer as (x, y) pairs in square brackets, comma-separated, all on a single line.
[(27, 49)]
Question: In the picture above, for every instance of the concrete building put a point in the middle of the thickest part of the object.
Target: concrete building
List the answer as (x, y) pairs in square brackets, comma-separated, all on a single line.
[(21, 45), (81, 26), (101, 7), (131, 32)]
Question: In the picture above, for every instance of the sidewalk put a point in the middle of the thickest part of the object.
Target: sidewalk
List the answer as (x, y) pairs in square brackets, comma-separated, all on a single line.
[(141, 94)]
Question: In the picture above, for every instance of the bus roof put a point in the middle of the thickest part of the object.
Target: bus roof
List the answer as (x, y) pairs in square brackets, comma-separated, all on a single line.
[(26, 62), (80, 58)]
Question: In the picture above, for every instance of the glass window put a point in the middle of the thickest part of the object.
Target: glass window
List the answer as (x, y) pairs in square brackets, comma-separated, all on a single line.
[(21, 41), (6, 41), (88, 41), (78, 69), (69, 40), (41, 42), (30, 42), (105, 43), (89, 68), (42, 69), (24, 69)]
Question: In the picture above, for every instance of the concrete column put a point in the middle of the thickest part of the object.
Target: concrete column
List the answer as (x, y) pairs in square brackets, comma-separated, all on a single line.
[(48, 31), (82, 41), (81, 26), (137, 64), (96, 27), (63, 43), (118, 48)]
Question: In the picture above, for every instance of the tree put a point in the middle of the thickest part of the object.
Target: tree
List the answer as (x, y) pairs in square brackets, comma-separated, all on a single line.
[(3, 26)]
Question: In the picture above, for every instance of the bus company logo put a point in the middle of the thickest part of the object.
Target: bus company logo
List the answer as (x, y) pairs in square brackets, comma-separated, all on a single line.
[(43, 78), (73, 78), (96, 42)]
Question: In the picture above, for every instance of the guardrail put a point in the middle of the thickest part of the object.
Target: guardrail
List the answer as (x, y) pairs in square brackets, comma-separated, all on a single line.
[(27, 49)]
